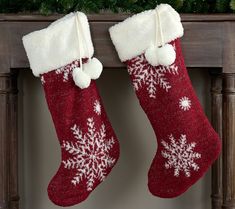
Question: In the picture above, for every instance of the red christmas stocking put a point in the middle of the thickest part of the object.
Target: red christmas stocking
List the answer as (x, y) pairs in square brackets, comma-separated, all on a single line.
[(88, 143), (187, 144)]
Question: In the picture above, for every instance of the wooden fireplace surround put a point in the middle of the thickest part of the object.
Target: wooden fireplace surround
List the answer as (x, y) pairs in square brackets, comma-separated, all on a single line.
[(208, 43)]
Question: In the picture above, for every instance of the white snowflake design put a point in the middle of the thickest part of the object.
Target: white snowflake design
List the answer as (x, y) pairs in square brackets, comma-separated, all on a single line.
[(43, 79), (145, 74), (89, 154), (180, 155), (97, 107), (66, 70), (185, 103)]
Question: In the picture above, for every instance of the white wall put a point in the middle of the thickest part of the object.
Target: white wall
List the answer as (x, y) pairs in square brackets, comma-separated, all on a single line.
[(126, 186)]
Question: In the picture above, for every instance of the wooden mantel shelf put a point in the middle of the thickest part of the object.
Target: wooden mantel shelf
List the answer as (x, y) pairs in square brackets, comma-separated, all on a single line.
[(208, 43), (109, 17), (207, 38)]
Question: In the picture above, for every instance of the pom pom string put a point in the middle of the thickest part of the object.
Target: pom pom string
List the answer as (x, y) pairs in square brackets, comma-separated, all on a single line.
[(79, 41), (91, 69), (160, 55), (159, 27)]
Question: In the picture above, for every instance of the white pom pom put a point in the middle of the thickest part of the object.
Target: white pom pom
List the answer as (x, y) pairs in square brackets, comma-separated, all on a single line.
[(164, 55), (151, 55), (93, 68), (80, 78)]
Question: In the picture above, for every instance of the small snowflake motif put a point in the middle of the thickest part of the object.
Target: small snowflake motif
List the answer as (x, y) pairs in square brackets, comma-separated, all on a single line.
[(66, 70), (185, 103), (180, 155), (97, 107), (89, 154), (145, 74), (43, 80)]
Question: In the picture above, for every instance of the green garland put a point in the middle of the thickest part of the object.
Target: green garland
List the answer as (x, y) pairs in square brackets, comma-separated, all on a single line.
[(65, 6)]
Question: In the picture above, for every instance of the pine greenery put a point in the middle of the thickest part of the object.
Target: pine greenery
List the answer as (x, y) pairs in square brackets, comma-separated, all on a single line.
[(94, 6)]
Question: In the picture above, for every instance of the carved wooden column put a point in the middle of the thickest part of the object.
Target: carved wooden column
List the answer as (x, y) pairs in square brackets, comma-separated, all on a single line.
[(228, 141), (13, 107), (216, 119), (8, 142)]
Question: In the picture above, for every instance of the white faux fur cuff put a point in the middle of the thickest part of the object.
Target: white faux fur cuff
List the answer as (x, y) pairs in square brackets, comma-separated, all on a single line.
[(135, 34), (58, 44)]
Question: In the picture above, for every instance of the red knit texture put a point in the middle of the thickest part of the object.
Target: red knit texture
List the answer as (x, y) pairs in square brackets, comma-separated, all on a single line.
[(187, 143), (89, 147)]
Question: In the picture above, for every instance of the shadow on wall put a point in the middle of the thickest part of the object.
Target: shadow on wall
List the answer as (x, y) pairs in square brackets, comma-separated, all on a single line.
[(126, 186)]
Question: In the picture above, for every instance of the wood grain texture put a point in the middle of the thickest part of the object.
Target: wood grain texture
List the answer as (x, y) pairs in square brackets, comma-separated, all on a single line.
[(110, 17), (228, 141), (229, 47), (13, 141), (202, 44), (8, 138), (216, 120), (5, 54)]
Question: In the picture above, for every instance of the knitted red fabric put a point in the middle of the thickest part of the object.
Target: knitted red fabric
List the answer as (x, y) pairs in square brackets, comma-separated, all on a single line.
[(88, 143), (187, 144)]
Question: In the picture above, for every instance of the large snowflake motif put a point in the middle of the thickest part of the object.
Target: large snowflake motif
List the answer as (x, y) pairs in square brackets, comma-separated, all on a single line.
[(145, 74), (180, 155), (89, 154)]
